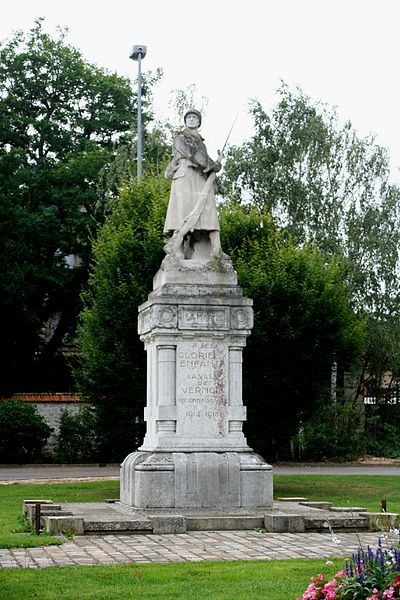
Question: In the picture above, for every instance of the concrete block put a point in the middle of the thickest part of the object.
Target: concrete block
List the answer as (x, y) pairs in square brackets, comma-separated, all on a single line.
[(316, 504), (383, 521), (155, 489), (357, 523), (57, 513), (256, 487), (45, 510), (347, 509), (122, 526), (284, 523), (168, 524), (64, 525), (224, 523), (293, 499), (26, 503), (30, 512)]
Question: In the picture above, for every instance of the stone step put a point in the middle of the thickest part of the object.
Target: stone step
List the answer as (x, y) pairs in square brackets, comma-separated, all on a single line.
[(56, 513), (286, 516), (117, 527), (348, 509), (337, 523), (47, 509), (229, 522), (312, 504)]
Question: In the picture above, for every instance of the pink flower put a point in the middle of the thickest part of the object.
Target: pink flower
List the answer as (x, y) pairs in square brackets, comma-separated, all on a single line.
[(310, 593), (330, 593), (341, 574)]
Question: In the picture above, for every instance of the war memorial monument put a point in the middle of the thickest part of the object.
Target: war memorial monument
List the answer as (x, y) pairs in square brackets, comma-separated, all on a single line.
[(194, 470), (194, 327)]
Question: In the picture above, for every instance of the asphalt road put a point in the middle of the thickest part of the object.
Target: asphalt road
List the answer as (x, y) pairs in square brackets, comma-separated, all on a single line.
[(34, 472), (45, 472)]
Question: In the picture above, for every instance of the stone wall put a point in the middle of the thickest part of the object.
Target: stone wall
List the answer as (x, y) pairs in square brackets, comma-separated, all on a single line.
[(50, 407), (51, 413)]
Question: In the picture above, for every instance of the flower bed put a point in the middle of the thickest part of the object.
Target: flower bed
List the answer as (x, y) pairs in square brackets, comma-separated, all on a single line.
[(369, 575)]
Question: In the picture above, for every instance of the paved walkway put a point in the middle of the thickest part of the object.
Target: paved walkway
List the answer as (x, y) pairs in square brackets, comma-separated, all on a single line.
[(195, 547)]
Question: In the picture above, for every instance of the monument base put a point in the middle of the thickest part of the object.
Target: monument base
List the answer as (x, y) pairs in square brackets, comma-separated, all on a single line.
[(194, 455), (231, 480)]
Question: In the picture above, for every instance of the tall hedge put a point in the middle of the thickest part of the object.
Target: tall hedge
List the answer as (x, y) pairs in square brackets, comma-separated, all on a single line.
[(112, 366), (23, 432)]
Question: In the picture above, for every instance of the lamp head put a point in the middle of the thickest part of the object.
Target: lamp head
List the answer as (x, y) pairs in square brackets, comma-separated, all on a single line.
[(137, 51)]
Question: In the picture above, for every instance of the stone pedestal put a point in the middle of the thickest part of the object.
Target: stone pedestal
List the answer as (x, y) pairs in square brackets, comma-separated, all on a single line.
[(194, 454)]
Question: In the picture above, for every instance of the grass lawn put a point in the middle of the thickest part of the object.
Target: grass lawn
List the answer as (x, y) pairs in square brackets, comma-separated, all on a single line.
[(13, 531), (253, 580), (355, 490), (365, 491)]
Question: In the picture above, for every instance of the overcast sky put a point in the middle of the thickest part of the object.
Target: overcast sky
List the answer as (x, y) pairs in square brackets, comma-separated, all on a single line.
[(343, 52)]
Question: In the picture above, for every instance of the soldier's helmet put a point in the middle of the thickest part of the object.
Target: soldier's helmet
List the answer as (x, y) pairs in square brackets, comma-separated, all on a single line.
[(192, 111)]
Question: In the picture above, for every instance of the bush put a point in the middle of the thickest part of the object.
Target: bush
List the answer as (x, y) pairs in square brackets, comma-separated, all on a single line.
[(23, 432), (335, 431), (120, 431), (77, 439), (382, 428), (103, 433)]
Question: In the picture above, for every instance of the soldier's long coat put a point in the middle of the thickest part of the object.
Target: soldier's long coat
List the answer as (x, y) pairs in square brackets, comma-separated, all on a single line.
[(189, 170)]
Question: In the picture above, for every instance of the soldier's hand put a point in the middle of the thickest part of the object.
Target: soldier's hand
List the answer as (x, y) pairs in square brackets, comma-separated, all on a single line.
[(216, 167)]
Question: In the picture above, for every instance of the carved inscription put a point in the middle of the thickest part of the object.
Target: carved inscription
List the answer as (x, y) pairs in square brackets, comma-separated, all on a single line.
[(201, 389), (203, 317)]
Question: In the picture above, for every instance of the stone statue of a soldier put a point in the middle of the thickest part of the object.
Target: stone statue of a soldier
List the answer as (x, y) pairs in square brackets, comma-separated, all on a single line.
[(192, 213)]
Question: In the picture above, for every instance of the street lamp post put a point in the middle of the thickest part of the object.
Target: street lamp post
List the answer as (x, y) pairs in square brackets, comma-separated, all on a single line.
[(137, 53)]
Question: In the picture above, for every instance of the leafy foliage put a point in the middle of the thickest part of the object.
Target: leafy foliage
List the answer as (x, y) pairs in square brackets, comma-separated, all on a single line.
[(111, 371), (333, 431), (76, 440), (382, 424), (23, 432), (322, 182), (303, 324), (60, 119), (329, 187)]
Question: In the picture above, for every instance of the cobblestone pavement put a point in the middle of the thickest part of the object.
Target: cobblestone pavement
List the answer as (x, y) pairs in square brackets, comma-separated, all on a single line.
[(194, 546)]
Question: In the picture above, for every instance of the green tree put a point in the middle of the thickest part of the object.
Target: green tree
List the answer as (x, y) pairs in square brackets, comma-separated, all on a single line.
[(112, 364), (303, 323), (62, 122), (327, 186), (23, 432)]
